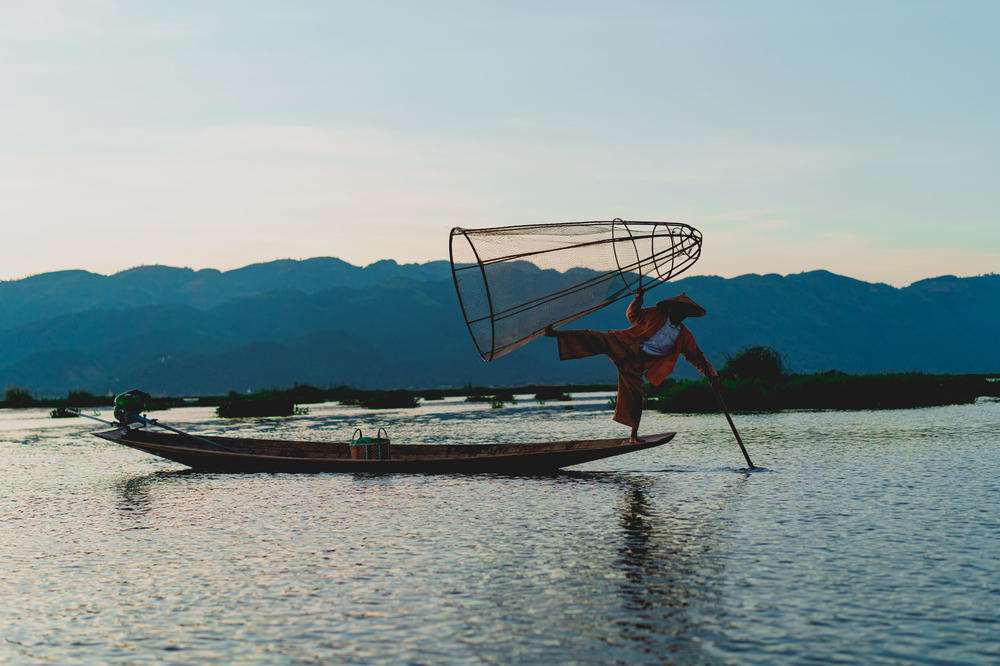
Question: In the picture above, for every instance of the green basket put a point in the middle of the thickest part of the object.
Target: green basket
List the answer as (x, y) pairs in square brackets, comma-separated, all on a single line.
[(370, 448)]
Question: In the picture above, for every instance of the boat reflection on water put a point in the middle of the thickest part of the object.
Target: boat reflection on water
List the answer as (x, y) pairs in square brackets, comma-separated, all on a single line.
[(624, 564), (135, 494)]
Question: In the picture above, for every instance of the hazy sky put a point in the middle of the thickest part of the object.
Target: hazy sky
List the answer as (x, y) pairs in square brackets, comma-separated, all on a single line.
[(861, 137)]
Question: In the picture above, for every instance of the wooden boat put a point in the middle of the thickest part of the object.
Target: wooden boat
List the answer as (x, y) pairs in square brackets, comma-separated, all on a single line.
[(238, 454)]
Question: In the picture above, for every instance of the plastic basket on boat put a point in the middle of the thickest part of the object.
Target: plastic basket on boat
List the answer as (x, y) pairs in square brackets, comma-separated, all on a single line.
[(370, 448)]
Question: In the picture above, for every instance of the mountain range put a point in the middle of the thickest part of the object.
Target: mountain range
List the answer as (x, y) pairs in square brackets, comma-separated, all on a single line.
[(387, 325)]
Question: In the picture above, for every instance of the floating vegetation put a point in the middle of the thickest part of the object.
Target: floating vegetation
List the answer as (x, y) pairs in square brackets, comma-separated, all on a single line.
[(499, 396), (305, 394), (88, 399), (385, 399), (299, 394), (829, 390), (756, 379), (764, 363), (61, 413), (264, 403), (15, 396), (547, 393)]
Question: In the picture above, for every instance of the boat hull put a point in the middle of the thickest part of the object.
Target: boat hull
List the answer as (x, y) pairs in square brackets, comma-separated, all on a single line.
[(265, 455)]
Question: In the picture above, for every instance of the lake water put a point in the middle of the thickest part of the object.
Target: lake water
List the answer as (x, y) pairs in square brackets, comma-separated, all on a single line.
[(868, 537)]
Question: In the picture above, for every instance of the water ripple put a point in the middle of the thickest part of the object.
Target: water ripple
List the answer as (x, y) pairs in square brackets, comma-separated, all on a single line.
[(863, 537)]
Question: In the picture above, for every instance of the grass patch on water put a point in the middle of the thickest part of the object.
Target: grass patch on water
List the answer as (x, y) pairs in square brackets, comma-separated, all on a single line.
[(756, 379)]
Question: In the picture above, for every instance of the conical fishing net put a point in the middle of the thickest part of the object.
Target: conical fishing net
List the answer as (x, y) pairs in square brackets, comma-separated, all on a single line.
[(512, 282)]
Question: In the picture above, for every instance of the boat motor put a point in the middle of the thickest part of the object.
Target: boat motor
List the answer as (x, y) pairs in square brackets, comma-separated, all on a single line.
[(130, 404)]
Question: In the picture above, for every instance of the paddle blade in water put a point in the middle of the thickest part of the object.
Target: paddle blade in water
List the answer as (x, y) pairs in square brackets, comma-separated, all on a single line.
[(507, 301)]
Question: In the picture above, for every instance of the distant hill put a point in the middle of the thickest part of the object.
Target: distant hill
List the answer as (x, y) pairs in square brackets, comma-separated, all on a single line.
[(64, 292), (326, 322)]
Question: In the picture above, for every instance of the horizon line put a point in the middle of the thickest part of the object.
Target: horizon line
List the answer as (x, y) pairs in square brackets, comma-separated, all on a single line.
[(432, 261)]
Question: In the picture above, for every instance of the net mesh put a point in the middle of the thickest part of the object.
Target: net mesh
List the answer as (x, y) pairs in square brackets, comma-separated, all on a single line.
[(512, 282)]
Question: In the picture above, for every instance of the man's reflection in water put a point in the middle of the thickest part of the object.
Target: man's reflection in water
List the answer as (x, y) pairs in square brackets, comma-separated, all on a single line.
[(670, 592)]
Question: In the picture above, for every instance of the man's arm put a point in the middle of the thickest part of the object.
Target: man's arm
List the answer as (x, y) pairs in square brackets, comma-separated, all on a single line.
[(634, 308), (694, 355)]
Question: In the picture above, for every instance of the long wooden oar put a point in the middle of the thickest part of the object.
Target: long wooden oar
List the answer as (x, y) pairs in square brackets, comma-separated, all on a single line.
[(92, 418), (154, 422), (725, 410)]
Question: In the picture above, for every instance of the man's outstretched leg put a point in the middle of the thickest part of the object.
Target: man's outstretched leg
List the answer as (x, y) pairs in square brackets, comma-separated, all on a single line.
[(583, 343)]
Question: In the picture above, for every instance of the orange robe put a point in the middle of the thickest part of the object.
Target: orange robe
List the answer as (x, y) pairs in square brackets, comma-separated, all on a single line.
[(623, 347)]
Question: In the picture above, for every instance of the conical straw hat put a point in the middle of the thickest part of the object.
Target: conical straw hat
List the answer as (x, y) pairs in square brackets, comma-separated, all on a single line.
[(684, 304)]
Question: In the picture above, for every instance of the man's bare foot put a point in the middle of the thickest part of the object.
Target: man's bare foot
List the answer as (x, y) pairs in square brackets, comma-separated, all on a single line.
[(633, 438)]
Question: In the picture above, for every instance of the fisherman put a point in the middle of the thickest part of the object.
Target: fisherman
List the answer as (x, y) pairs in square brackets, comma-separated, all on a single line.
[(649, 347)]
